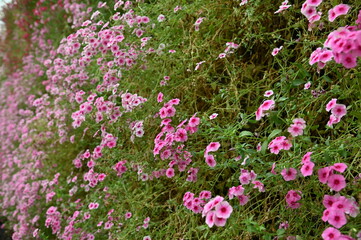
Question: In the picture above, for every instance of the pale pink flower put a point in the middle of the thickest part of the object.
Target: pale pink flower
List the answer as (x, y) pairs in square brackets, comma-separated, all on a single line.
[(339, 110), (275, 51), (223, 210), (307, 85), (289, 174), (268, 93), (213, 116), (295, 130)]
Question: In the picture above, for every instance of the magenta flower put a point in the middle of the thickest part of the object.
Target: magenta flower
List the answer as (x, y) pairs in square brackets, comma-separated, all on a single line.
[(169, 173), (289, 174), (338, 10), (337, 218), (323, 174), (331, 234), (336, 182), (314, 3), (307, 169), (331, 104), (212, 147), (339, 167)]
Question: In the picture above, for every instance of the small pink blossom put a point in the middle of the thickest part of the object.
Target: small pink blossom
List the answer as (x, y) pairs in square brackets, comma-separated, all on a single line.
[(268, 93), (275, 51)]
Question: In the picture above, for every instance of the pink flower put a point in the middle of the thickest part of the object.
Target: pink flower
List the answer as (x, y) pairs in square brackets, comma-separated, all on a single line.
[(339, 110), (306, 158), (307, 169), (275, 51), (210, 161), (213, 116), (223, 210), (160, 97), (289, 174), (349, 60), (339, 167), (169, 173), (314, 3), (212, 147), (219, 222), (336, 182), (181, 135), (194, 121), (268, 93), (323, 174), (210, 218), (128, 215), (330, 234), (337, 218), (267, 105), (307, 85), (295, 130), (339, 10), (243, 199), (331, 104)]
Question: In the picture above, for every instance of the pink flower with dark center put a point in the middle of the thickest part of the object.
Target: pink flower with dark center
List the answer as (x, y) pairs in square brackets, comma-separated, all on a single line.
[(341, 9), (181, 135), (212, 147), (219, 222), (331, 104), (339, 110), (339, 167), (169, 173), (331, 234), (323, 174), (268, 93), (160, 97), (275, 51), (299, 121), (307, 85), (210, 218), (337, 219), (213, 116), (210, 161), (243, 199), (295, 130), (329, 200), (336, 182), (348, 60), (289, 174), (223, 210), (307, 169)]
